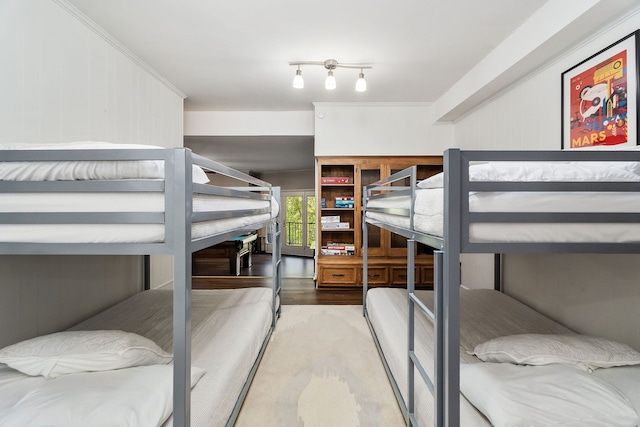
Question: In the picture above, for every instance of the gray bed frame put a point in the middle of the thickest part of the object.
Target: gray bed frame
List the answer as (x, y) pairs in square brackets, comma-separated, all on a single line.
[(177, 218), (445, 386)]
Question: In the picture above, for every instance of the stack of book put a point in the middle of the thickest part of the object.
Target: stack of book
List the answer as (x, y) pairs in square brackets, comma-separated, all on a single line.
[(335, 180), (338, 249), (332, 222), (344, 202)]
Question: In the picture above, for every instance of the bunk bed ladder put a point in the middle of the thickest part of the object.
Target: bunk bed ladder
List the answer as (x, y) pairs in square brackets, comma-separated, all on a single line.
[(274, 237), (413, 361)]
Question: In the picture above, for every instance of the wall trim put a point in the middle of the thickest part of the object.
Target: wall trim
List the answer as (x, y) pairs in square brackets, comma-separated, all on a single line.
[(76, 13), (372, 104)]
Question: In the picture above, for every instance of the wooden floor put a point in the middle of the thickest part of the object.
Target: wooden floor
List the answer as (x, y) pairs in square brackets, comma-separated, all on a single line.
[(298, 286)]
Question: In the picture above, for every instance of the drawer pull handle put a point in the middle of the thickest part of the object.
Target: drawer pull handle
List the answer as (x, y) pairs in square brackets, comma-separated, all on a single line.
[(403, 276), (374, 275), (338, 275)]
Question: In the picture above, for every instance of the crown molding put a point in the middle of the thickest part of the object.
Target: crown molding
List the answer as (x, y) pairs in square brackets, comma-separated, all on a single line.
[(84, 19)]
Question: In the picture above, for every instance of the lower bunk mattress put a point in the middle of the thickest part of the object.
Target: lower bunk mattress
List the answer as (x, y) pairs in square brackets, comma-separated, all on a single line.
[(484, 316), (229, 328)]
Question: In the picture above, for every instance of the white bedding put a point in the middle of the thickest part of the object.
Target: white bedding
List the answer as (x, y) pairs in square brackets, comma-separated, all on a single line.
[(108, 202), (429, 212), (484, 314), (228, 329), (429, 203), (625, 379), (86, 170), (119, 202)]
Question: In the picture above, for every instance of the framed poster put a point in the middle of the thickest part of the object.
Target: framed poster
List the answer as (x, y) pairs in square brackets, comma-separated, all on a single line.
[(600, 98)]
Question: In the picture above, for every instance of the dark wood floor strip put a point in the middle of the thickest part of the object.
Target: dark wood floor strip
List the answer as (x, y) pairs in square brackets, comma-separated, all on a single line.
[(298, 286)]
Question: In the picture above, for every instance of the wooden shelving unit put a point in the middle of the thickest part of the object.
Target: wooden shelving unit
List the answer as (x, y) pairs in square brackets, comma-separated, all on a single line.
[(387, 251)]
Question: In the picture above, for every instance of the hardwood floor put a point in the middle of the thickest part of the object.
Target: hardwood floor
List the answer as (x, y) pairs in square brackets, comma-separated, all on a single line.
[(298, 286)]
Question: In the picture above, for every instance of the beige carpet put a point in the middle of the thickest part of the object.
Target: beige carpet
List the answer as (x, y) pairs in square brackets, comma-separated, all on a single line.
[(321, 369)]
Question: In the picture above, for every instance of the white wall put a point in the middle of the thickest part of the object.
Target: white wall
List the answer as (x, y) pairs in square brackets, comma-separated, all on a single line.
[(248, 123), (291, 180), (63, 79), (379, 129), (591, 293)]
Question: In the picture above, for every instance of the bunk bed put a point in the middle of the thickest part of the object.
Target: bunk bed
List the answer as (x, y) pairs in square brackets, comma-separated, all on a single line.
[(101, 199), (496, 203)]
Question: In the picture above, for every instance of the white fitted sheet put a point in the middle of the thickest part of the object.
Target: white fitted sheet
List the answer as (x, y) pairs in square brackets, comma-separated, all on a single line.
[(228, 329), (429, 213), (484, 314)]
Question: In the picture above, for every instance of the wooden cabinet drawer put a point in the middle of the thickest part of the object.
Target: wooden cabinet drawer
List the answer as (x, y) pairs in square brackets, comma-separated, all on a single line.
[(377, 276), (399, 276), (338, 276), (426, 276)]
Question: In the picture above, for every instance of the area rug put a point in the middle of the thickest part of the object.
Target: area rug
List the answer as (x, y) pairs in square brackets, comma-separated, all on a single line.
[(321, 369)]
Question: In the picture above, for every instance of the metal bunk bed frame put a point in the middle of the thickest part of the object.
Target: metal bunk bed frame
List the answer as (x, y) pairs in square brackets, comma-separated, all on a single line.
[(178, 216), (445, 386)]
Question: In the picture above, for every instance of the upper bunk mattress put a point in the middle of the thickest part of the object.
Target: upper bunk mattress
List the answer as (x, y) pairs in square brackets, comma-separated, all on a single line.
[(429, 204), (110, 202), (120, 202)]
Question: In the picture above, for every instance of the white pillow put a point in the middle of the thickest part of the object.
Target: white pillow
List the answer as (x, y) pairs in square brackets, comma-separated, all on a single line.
[(140, 397), (67, 352), (434, 181), (581, 351), (553, 395), (546, 171)]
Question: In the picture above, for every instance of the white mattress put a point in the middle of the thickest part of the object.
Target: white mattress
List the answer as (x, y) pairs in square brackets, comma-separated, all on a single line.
[(228, 329), (119, 202), (429, 212), (86, 170), (108, 202), (429, 202), (484, 314)]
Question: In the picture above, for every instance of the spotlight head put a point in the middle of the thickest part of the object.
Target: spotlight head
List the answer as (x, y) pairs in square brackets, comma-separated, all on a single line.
[(330, 82), (361, 83), (298, 81)]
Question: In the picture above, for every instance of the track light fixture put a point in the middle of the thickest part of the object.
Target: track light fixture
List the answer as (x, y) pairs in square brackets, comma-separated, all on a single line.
[(330, 82)]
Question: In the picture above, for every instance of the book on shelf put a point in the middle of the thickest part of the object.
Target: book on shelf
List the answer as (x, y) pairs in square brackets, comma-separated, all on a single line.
[(335, 180), (330, 218), (338, 249), (334, 225), (345, 205), (344, 202)]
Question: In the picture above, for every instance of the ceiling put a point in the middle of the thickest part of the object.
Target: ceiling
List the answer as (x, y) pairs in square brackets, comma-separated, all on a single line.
[(268, 153), (234, 55)]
